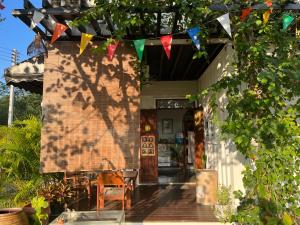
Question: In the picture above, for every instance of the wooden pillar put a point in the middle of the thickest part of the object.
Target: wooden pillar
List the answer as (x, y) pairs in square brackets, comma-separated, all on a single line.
[(199, 138)]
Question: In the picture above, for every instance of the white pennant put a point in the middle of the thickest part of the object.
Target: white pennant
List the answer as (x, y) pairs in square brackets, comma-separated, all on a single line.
[(37, 17), (225, 22)]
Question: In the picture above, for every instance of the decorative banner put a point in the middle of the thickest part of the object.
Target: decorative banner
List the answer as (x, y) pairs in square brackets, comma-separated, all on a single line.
[(225, 22), (1, 5), (167, 44), (85, 40), (139, 47), (193, 33), (111, 49), (286, 21), (37, 18), (268, 3), (59, 29), (245, 13), (266, 16)]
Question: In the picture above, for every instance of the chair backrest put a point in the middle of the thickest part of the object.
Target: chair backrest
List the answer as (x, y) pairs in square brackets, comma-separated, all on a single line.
[(111, 178)]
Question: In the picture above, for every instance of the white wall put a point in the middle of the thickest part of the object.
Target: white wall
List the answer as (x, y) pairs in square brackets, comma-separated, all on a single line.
[(221, 155), (166, 89)]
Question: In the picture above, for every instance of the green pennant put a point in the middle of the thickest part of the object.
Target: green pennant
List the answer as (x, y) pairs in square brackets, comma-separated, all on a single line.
[(286, 21), (139, 47)]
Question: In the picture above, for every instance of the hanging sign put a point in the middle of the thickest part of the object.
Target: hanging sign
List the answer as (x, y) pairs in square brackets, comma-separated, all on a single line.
[(59, 29), (167, 44), (148, 145), (85, 40), (225, 22), (193, 33), (111, 49), (37, 18), (139, 47)]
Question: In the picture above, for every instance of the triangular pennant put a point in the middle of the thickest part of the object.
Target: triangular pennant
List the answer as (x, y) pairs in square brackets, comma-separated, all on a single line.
[(37, 17), (139, 47), (225, 22), (268, 3), (59, 29), (193, 33), (111, 49), (286, 21), (2, 6), (245, 13), (167, 44), (266, 16), (85, 40)]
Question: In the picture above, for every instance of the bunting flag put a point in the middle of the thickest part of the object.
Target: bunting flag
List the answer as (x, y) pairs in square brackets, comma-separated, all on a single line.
[(111, 49), (139, 47), (59, 29), (37, 18), (193, 33), (268, 3), (1, 4), (85, 40), (266, 16), (245, 13), (167, 44), (225, 22), (286, 21)]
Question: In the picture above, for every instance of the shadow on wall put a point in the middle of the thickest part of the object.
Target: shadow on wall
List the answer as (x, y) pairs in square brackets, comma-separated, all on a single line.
[(91, 110)]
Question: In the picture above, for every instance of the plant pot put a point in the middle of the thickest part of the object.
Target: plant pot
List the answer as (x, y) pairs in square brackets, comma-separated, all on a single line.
[(13, 216), (206, 186)]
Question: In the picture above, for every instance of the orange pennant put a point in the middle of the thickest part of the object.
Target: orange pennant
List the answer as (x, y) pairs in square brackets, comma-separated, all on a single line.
[(167, 44), (268, 3), (111, 49), (245, 13), (59, 29)]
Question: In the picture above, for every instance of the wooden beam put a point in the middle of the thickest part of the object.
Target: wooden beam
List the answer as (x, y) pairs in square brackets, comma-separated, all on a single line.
[(27, 21), (188, 69), (176, 62), (109, 24), (176, 18), (143, 26), (28, 5), (186, 41), (161, 64)]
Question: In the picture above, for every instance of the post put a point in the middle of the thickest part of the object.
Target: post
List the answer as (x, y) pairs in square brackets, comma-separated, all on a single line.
[(11, 92)]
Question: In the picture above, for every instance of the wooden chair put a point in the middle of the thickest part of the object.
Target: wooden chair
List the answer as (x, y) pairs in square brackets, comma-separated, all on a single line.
[(112, 186)]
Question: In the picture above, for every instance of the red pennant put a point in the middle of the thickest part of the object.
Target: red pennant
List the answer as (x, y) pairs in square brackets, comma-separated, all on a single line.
[(2, 6), (111, 49), (167, 44), (268, 3), (245, 13), (59, 29)]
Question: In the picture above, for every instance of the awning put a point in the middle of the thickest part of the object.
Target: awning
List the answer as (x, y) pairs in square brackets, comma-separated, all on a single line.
[(27, 75)]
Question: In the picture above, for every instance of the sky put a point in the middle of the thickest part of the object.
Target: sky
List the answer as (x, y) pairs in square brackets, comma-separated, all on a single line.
[(14, 33)]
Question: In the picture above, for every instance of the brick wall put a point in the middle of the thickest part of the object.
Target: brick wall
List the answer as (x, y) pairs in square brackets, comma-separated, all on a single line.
[(91, 109)]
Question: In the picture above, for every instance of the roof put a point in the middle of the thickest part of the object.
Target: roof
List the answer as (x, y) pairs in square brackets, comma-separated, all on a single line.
[(27, 75)]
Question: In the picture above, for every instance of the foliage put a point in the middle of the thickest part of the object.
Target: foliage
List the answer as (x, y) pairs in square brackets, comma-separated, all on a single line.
[(224, 195), (56, 191), (224, 208), (39, 204)]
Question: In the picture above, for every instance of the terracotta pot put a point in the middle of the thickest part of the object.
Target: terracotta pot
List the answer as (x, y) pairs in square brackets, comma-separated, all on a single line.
[(13, 216)]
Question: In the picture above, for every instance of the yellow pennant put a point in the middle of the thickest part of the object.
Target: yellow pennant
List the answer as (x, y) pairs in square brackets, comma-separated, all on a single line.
[(266, 16), (85, 40)]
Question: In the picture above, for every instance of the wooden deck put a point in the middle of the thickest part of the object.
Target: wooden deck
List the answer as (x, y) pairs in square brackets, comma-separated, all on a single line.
[(159, 204)]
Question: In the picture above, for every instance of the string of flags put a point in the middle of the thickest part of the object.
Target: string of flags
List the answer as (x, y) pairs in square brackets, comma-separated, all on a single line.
[(1, 5), (166, 40)]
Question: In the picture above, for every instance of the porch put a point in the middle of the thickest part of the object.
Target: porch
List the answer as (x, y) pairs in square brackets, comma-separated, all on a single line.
[(158, 204)]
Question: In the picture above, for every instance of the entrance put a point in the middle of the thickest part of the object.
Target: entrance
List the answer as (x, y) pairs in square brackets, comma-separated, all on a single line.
[(169, 146)]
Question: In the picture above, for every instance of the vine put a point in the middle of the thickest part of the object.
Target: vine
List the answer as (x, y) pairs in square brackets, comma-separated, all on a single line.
[(263, 97)]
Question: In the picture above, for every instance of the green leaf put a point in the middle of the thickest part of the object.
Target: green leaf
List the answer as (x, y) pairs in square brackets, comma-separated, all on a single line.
[(286, 219)]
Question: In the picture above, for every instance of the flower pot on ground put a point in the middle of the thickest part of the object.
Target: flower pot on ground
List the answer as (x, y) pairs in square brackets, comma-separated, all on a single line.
[(206, 186), (224, 208), (13, 216)]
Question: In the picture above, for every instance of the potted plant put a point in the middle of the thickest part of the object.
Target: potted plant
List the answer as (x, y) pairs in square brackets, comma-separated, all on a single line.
[(224, 207)]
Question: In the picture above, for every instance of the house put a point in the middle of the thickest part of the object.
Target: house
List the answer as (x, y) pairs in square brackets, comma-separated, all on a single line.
[(98, 114)]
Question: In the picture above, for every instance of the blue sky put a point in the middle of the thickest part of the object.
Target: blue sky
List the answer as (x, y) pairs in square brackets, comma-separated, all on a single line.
[(13, 33)]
